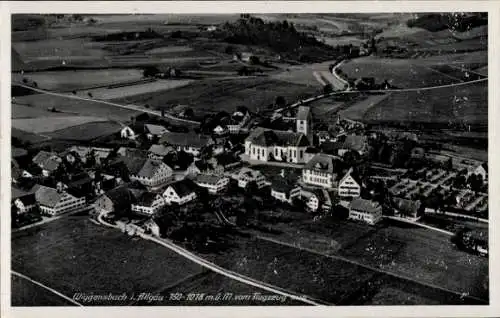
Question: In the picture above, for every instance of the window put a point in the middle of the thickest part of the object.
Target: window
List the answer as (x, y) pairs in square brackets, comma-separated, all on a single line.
[(301, 154)]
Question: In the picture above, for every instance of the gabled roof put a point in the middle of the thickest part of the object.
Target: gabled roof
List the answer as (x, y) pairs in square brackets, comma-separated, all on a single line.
[(363, 205), (251, 173), (208, 178), (160, 150), (48, 196), (47, 160), (282, 185), (353, 175), (267, 137), (121, 197), (354, 142), (184, 139), (18, 192), (156, 130), (322, 162), (303, 113), (147, 199), (183, 187), (28, 199), (150, 167)]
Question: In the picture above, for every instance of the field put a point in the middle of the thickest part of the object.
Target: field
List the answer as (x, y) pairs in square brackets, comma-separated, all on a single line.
[(49, 124), (467, 104), (28, 294), (27, 137), (27, 111), (75, 107), (360, 108), (211, 96), (79, 79), (107, 93), (86, 132)]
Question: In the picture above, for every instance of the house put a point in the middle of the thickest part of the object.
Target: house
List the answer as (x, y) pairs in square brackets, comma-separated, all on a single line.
[(284, 191), (81, 182), (221, 130), (54, 202), (152, 227), (475, 241), (321, 171), (25, 203), (213, 183), (158, 152), (323, 136), (356, 143), (180, 192), (365, 210), (407, 208), (153, 173), (154, 131), (127, 133), (188, 142), (148, 203), (47, 161), (82, 153), (131, 152), (482, 170), (275, 145), (247, 175), (350, 185), (117, 199), (224, 162), (304, 123), (310, 153), (311, 200)]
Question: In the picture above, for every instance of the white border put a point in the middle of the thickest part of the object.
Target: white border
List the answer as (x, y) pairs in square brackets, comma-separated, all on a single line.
[(221, 7)]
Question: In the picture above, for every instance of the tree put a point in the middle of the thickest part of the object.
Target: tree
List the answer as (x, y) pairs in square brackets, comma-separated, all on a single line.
[(328, 88), (150, 71), (280, 101), (90, 94), (189, 112), (35, 84), (25, 81), (254, 60)]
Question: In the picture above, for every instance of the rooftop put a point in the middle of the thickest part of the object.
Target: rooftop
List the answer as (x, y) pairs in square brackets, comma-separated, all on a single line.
[(322, 162), (366, 206), (156, 130), (184, 139), (150, 167), (303, 113), (208, 179), (267, 137), (160, 150), (183, 187), (48, 196)]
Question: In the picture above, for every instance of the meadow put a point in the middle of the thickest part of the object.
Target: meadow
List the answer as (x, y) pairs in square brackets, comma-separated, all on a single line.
[(49, 124)]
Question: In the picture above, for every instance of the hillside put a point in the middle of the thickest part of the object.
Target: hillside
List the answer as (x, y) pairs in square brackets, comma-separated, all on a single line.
[(455, 22)]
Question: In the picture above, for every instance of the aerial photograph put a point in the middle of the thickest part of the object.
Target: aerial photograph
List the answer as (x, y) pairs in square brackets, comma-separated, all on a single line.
[(250, 159)]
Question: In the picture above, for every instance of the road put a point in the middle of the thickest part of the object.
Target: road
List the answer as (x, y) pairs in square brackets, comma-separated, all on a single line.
[(380, 91), (219, 270), (129, 107)]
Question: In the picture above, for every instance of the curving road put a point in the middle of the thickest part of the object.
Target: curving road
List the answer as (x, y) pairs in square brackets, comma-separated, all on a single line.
[(129, 107), (225, 272)]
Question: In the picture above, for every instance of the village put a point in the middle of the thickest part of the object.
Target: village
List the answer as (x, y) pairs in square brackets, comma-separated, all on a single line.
[(168, 183)]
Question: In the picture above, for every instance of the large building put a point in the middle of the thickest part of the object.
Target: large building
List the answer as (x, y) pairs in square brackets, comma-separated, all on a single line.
[(321, 171), (275, 145), (365, 210), (153, 173), (188, 142), (54, 202), (304, 123)]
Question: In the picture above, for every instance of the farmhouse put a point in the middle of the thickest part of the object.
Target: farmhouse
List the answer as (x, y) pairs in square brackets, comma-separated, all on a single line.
[(47, 161), (148, 203), (213, 183), (350, 185), (188, 142), (304, 122), (117, 199), (127, 133), (153, 131), (158, 152), (321, 171), (54, 202), (153, 173), (355, 143), (247, 175), (284, 191), (25, 203), (269, 145), (365, 210), (180, 192)]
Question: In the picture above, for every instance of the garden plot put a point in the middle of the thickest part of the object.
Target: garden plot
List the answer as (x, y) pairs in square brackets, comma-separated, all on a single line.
[(49, 124)]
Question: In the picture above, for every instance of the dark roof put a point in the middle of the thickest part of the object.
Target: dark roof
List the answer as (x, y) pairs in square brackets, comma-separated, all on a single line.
[(203, 165), (28, 199), (16, 172), (183, 187), (79, 179), (363, 205), (225, 159), (150, 167), (408, 206), (184, 139), (322, 162), (303, 113), (132, 152), (18, 192), (133, 164), (267, 137), (207, 178), (121, 197), (485, 166), (312, 150), (282, 185), (354, 142)]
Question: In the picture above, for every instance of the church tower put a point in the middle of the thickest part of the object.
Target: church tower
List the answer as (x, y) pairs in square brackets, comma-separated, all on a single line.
[(304, 123)]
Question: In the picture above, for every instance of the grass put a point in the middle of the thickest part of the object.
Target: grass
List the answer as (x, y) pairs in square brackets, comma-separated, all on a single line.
[(358, 110), (465, 104), (50, 124), (26, 293), (26, 111), (74, 255), (27, 137), (87, 131), (79, 79), (76, 107), (210, 96)]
